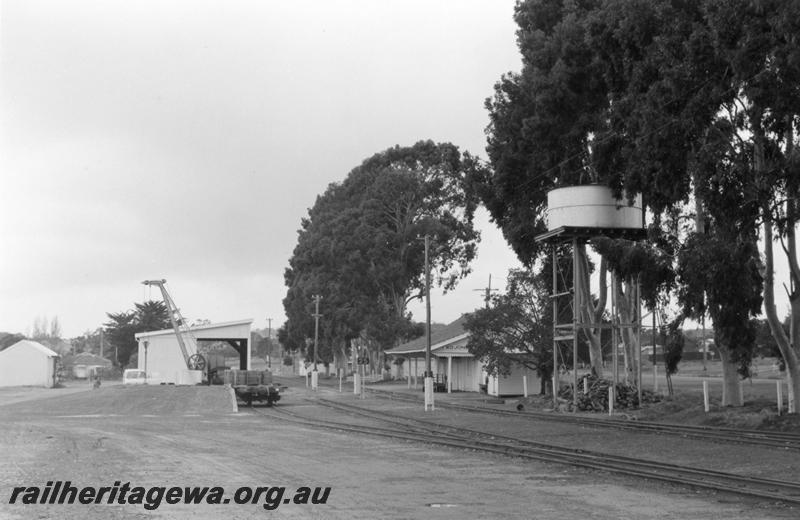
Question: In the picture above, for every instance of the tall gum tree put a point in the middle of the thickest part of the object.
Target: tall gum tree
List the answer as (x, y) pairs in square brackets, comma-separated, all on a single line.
[(361, 246), (759, 43), (603, 96)]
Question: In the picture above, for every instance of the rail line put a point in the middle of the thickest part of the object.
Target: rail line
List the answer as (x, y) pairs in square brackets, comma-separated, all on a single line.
[(462, 438), (783, 440)]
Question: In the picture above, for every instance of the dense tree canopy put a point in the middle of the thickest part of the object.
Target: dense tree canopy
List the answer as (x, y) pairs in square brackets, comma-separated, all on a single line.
[(361, 247), (122, 327), (674, 100), (606, 94)]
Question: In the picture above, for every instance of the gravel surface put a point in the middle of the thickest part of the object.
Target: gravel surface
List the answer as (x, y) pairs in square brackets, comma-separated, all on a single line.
[(188, 436)]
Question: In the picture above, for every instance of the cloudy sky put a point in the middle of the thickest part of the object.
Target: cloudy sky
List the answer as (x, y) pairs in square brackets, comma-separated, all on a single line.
[(185, 140)]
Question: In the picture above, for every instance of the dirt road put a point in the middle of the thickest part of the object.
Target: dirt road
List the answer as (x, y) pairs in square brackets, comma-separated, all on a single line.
[(163, 437)]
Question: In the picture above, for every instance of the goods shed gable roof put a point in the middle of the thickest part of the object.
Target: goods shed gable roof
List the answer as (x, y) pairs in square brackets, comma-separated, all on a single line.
[(228, 330)]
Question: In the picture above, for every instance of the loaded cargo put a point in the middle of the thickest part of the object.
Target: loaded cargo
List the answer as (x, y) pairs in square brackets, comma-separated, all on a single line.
[(253, 386)]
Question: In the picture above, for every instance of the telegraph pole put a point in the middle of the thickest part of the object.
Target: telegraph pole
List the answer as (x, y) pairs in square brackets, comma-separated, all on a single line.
[(487, 292), (428, 371), (269, 340), (317, 315)]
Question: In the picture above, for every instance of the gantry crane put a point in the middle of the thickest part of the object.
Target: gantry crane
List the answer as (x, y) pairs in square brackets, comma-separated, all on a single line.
[(193, 361)]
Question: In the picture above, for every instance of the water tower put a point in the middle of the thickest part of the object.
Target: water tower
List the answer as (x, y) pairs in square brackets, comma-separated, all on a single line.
[(575, 215)]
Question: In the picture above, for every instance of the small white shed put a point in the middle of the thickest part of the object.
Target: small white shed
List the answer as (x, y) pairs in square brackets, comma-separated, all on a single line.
[(28, 363)]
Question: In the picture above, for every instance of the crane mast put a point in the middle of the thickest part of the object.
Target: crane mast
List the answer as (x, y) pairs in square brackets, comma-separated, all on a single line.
[(193, 361)]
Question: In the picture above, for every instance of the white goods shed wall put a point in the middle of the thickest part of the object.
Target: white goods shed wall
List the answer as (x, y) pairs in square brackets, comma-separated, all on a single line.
[(160, 353), (22, 364), (163, 360)]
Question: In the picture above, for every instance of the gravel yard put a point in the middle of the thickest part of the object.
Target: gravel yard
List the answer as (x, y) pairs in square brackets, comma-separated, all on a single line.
[(189, 436)]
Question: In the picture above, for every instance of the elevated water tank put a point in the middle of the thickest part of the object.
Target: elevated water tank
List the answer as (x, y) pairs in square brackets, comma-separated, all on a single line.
[(592, 206)]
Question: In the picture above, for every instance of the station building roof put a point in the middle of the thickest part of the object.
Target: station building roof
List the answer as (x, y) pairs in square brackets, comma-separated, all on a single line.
[(448, 340)]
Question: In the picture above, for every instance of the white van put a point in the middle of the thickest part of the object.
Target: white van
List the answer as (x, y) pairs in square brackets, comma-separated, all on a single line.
[(133, 376)]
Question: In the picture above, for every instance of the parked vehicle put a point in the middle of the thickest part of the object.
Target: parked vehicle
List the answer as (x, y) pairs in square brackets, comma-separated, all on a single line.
[(134, 376)]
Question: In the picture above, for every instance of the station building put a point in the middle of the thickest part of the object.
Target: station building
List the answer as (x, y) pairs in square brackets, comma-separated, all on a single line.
[(455, 369)]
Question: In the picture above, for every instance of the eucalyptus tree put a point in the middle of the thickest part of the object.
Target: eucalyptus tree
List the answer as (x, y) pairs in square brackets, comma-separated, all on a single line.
[(605, 95), (361, 245), (759, 44)]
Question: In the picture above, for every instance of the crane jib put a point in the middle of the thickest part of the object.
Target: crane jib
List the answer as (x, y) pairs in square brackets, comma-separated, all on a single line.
[(182, 333)]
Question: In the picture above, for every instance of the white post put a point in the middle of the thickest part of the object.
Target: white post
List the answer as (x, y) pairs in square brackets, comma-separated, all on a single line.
[(408, 371), (340, 382), (555, 388), (611, 400), (428, 393), (357, 382), (705, 396), (314, 380), (306, 378), (780, 396), (525, 385), (585, 385)]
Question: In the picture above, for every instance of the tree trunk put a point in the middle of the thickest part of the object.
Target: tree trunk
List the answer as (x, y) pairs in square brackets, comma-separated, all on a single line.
[(789, 349), (626, 308), (788, 346), (730, 378), (592, 313)]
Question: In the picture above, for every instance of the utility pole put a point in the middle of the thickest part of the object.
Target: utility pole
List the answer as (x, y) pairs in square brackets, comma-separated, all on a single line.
[(487, 292), (428, 371), (269, 341), (317, 315)]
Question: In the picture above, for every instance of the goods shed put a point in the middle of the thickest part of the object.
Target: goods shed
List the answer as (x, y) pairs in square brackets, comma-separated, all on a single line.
[(161, 358), (28, 363)]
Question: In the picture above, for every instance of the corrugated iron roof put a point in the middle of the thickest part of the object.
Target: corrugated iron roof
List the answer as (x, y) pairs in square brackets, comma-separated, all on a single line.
[(439, 338)]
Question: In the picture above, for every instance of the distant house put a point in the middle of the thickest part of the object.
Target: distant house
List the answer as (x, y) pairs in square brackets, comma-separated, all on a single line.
[(86, 365), (28, 363), (455, 367)]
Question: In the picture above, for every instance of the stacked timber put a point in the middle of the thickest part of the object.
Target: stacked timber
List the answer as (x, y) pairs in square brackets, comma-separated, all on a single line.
[(596, 399)]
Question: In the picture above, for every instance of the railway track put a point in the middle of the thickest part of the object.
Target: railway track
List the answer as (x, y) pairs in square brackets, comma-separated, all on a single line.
[(783, 440), (414, 430)]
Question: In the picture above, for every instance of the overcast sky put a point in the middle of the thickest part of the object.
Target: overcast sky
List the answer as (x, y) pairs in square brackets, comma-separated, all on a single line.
[(185, 140)]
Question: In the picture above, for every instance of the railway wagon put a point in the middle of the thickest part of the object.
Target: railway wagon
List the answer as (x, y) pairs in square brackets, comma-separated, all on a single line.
[(253, 386)]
